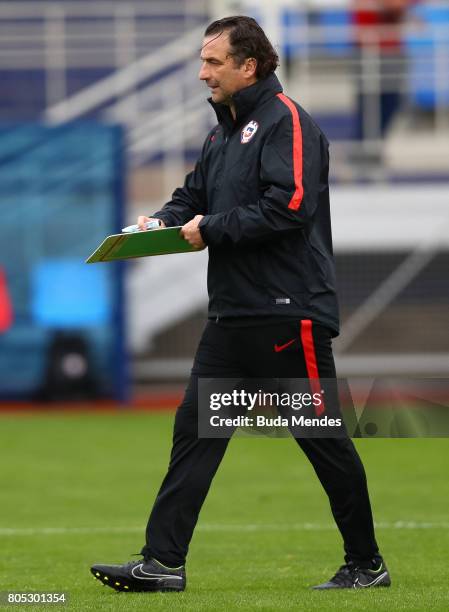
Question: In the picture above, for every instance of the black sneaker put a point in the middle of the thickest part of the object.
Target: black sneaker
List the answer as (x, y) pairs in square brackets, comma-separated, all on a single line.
[(141, 576), (350, 576)]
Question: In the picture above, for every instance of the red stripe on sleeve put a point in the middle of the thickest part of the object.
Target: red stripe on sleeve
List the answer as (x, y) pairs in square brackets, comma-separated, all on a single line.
[(296, 200), (311, 365)]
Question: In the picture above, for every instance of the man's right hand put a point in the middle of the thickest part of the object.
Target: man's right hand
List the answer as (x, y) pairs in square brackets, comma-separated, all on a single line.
[(142, 220)]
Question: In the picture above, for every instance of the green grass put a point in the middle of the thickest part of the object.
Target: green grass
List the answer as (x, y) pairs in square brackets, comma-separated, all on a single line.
[(102, 472)]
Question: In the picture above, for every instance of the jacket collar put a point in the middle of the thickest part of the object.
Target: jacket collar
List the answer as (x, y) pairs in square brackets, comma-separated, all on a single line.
[(246, 100)]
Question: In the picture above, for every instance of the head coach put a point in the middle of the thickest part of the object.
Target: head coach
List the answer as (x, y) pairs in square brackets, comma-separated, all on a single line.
[(258, 198)]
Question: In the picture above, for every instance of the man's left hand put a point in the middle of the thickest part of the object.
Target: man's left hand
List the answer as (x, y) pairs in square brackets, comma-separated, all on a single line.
[(190, 231)]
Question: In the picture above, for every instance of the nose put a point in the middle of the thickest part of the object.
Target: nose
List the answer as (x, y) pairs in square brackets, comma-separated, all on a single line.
[(203, 73)]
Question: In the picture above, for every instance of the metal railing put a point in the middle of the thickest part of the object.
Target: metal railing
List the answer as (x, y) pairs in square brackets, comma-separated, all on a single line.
[(143, 62), (60, 36)]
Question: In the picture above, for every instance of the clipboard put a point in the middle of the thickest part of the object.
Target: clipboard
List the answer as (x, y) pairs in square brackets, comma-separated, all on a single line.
[(141, 244)]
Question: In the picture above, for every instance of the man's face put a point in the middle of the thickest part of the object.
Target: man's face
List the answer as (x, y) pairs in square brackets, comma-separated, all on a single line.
[(219, 70)]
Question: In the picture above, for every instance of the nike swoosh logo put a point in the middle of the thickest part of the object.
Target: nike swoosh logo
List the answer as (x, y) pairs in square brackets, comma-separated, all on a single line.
[(372, 583), (278, 349), (141, 575)]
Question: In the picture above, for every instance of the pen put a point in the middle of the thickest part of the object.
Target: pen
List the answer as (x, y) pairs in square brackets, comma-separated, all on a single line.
[(135, 228)]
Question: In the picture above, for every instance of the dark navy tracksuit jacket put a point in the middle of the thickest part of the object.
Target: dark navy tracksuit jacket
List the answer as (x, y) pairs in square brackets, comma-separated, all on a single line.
[(262, 184)]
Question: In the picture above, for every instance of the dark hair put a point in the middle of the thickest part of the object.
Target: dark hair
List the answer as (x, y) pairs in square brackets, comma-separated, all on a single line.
[(247, 39)]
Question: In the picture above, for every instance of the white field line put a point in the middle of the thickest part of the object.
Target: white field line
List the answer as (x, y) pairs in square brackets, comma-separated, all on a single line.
[(256, 527)]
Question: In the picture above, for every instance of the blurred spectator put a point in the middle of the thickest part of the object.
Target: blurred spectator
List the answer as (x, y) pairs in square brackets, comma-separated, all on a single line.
[(379, 36)]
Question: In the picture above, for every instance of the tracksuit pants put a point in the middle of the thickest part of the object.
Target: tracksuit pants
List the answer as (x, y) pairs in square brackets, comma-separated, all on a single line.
[(248, 352)]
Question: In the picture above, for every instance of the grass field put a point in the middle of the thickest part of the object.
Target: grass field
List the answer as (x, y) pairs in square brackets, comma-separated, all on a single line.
[(76, 489)]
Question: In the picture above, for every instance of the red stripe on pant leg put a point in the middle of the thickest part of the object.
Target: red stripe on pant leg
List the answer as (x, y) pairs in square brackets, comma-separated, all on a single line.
[(311, 365)]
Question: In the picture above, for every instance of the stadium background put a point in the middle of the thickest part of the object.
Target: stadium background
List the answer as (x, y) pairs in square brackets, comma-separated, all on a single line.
[(101, 115)]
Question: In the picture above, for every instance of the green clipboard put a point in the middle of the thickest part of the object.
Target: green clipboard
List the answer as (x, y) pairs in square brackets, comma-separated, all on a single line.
[(141, 244)]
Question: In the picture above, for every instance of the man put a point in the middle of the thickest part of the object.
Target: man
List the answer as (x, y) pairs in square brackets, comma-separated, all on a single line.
[(378, 33), (258, 198)]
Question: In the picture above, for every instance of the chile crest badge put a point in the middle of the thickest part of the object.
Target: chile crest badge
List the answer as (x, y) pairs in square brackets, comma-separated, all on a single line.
[(248, 132)]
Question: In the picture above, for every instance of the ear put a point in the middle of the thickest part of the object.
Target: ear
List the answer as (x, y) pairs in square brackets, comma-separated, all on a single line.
[(250, 67)]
